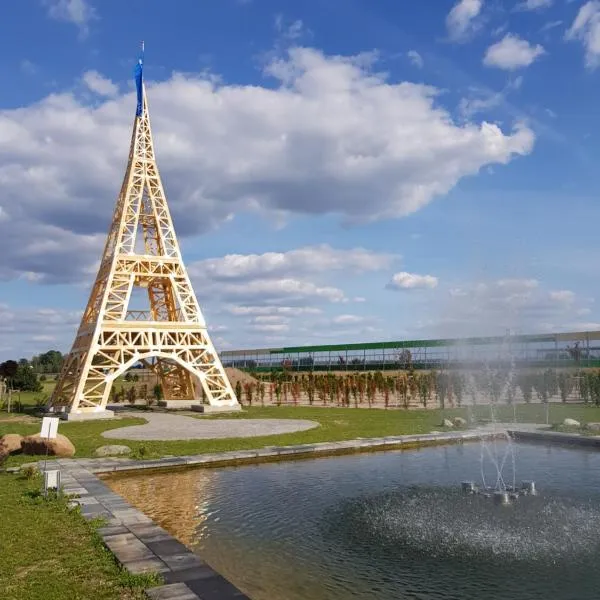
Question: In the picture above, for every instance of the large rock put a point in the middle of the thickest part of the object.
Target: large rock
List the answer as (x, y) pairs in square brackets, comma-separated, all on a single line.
[(11, 443), (593, 426), (59, 446), (459, 422), (112, 450), (447, 423), (571, 423)]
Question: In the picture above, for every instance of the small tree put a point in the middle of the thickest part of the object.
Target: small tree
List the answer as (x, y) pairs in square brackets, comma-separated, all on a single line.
[(565, 385), (584, 387), (157, 392), (238, 391), (248, 389), (26, 380), (131, 395)]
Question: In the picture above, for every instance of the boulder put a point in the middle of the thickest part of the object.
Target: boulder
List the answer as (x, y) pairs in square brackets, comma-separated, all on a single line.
[(459, 422), (112, 450), (571, 423), (593, 426), (59, 446), (447, 423), (11, 443)]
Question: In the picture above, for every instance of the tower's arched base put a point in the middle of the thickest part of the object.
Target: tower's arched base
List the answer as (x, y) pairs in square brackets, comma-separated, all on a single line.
[(185, 363)]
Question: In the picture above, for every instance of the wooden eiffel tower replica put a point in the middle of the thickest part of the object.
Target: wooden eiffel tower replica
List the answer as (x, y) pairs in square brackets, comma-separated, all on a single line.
[(141, 255)]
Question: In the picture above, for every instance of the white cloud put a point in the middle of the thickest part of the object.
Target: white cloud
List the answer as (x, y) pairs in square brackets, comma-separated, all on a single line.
[(533, 5), (332, 137), (268, 327), (511, 53), (291, 31), (78, 12), (586, 28), (310, 259), (288, 311), (415, 58), (491, 307), (562, 296), (348, 319), (33, 330), (460, 21), (550, 25), (99, 84), (412, 281), (272, 291), (482, 100)]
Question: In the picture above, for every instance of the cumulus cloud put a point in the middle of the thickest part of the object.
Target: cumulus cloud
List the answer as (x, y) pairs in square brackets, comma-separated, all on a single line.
[(586, 28), (512, 53), (78, 12), (412, 281), (99, 84), (310, 259), (331, 136), (461, 20)]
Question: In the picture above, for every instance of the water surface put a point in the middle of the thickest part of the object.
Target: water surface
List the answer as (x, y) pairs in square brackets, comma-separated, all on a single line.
[(387, 525)]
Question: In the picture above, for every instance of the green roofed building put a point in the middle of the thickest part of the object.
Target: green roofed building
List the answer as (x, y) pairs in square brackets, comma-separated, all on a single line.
[(571, 349)]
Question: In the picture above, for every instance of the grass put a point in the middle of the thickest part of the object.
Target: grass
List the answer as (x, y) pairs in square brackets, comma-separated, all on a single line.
[(49, 552), (336, 424)]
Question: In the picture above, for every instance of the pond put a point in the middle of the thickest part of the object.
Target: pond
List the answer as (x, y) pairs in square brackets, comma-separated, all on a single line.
[(387, 525)]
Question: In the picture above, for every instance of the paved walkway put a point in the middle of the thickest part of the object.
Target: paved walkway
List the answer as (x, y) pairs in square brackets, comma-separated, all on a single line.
[(163, 427)]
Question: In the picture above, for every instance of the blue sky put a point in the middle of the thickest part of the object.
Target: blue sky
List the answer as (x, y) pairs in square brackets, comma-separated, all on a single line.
[(337, 170)]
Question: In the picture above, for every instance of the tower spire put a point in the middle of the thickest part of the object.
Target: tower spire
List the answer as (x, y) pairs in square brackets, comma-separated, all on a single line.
[(141, 259)]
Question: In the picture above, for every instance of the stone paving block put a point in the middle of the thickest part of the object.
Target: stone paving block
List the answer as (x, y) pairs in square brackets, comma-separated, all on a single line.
[(94, 511), (74, 491), (215, 588), (144, 565), (149, 532), (127, 547), (186, 560), (86, 500), (167, 547), (189, 574), (173, 591), (112, 530)]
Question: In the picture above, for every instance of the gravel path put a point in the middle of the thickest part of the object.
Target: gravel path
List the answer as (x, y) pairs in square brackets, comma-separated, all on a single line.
[(163, 426)]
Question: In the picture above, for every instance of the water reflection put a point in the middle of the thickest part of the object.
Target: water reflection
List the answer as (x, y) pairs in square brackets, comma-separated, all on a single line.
[(388, 525)]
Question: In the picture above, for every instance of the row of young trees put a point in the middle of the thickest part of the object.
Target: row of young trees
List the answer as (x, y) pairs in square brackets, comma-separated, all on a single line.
[(419, 388), (132, 393)]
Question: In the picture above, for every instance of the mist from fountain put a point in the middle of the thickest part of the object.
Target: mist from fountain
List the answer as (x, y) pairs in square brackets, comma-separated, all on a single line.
[(499, 385)]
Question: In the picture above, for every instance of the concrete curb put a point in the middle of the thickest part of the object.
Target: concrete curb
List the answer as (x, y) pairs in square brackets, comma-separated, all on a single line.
[(556, 437)]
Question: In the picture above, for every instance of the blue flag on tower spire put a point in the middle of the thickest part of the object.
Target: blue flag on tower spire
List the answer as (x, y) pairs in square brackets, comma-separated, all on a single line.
[(138, 83)]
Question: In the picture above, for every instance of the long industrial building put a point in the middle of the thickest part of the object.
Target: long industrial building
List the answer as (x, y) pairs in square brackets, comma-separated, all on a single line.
[(571, 349)]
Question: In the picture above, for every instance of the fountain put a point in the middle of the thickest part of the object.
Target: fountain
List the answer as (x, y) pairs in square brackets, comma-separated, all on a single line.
[(500, 491)]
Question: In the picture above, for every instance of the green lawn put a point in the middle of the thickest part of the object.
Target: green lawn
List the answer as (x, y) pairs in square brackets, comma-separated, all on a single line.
[(335, 424), (48, 552)]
